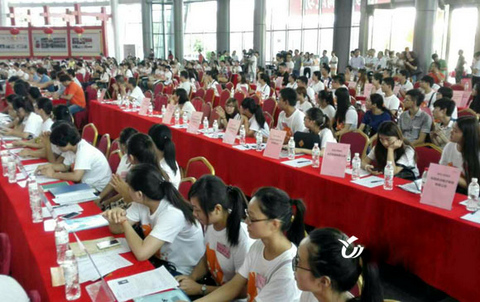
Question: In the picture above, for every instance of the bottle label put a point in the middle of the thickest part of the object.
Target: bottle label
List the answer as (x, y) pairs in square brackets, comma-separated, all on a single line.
[(61, 238), (69, 272)]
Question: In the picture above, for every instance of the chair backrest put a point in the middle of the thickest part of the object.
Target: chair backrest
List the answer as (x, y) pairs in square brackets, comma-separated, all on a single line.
[(114, 160), (158, 89), (168, 89), (5, 254), (79, 77), (352, 92), (159, 101), (207, 110), (229, 86), (224, 96), (115, 145), (148, 94), (467, 112), (360, 114), (457, 87), (213, 115), (90, 134), (199, 166), (34, 296), (270, 105), (256, 99), (268, 119), (200, 93), (209, 96), (239, 96), (197, 103), (416, 85), (200, 75), (104, 144), (357, 140), (427, 154), (275, 117), (185, 185)]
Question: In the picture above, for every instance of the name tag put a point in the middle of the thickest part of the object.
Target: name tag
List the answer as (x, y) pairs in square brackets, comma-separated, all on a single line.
[(223, 249), (260, 281)]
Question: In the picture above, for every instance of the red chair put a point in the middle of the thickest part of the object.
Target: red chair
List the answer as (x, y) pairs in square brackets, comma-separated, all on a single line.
[(256, 99), (197, 103), (90, 93), (200, 93), (270, 105), (5, 254), (239, 96), (200, 76), (458, 87), (148, 94), (357, 140), (352, 92), (90, 134), (207, 110), (158, 89), (427, 154), (224, 96), (275, 117), (34, 296), (213, 115), (115, 145), (87, 77), (198, 166), (80, 77), (104, 144), (185, 185), (416, 85), (268, 119), (467, 112), (447, 84), (168, 89), (229, 86), (159, 101), (209, 96), (360, 115), (114, 160), (81, 118)]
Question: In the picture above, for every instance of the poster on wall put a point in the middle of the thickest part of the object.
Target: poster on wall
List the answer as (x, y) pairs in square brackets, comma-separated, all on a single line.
[(14, 45), (89, 43), (53, 45)]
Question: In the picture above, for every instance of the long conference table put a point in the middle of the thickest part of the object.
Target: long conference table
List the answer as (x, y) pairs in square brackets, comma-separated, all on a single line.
[(432, 243)]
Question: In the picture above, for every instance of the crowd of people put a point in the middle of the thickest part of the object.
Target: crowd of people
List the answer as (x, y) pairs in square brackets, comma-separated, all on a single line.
[(253, 249)]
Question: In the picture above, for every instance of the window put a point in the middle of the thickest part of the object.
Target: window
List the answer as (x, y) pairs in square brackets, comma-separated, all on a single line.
[(200, 28), (241, 25)]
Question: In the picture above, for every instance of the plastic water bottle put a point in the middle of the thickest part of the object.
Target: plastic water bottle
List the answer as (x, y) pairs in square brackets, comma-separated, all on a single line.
[(99, 93), (163, 110), (291, 148), (36, 206), (215, 129), (70, 272), (399, 112), (359, 89), (315, 156), (12, 170), (424, 179), (61, 240), (473, 190), (177, 117), (356, 167), (185, 118), (259, 141), (150, 110), (349, 159), (242, 135), (388, 176), (205, 124), (467, 86), (5, 159)]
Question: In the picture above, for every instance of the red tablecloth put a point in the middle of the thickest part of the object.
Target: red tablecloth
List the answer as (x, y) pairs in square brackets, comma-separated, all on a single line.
[(33, 249), (435, 244)]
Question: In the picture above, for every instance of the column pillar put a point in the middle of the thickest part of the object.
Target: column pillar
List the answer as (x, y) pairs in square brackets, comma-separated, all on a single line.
[(178, 28), (422, 35), (477, 34), (260, 30), (223, 25), (341, 31), (3, 13), (147, 27), (364, 20), (116, 29)]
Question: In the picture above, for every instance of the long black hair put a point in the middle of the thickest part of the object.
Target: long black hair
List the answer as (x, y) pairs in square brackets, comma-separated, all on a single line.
[(142, 148), (276, 204), (327, 97), (126, 134), (162, 137), (149, 180), (256, 110), (470, 146), (475, 104), (343, 103), (62, 113), (211, 190), (325, 259), (389, 128), (318, 117), (377, 99)]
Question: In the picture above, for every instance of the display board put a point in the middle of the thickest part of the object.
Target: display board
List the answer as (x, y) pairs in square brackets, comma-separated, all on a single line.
[(18, 46)]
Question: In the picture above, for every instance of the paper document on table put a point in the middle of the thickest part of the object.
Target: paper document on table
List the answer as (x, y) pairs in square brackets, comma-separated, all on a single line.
[(370, 182), (67, 209), (473, 217), (106, 263), (85, 223), (142, 284), (10, 138), (412, 187), (180, 126), (168, 296), (363, 173), (75, 198), (464, 203), (46, 213), (247, 147), (298, 163), (33, 167), (92, 248), (220, 135)]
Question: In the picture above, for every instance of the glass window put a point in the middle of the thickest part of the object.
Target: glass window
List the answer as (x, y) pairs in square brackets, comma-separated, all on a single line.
[(241, 25), (310, 44), (200, 28), (294, 39)]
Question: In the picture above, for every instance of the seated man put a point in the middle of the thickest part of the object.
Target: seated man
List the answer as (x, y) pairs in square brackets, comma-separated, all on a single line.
[(303, 82), (442, 112), (447, 92), (136, 93), (426, 84), (404, 82), (290, 119), (73, 94), (414, 123), (390, 100), (83, 162)]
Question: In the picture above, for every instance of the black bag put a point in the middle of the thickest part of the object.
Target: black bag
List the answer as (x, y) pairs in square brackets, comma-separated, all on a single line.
[(306, 140), (406, 173)]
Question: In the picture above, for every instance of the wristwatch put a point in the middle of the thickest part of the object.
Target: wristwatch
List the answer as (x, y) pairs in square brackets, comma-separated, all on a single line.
[(204, 289)]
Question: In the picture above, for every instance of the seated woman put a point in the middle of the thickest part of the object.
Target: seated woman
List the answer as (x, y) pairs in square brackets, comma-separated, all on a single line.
[(181, 101), (267, 270), (303, 101), (324, 275), (256, 119), (231, 111), (376, 114), (172, 236), (210, 81), (326, 104), (377, 83), (394, 148), (292, 81), (463, 151), (221, 210), (346, 117), (318, 123), (242, 84), (166, 153), (475, 104), (263, 87), (15, 123), (31, 123)]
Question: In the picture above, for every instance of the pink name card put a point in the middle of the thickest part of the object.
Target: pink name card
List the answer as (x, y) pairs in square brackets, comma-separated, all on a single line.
[(334, 160), (464, 83), (195, 121), (144, 106), (275, 143), (465, 97), (457, 97), (279, 82), (367, 89), (231, 131), (440, 186), (168, 114)]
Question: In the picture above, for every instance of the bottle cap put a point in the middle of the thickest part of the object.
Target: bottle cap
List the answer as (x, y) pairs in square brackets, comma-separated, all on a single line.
[(69, 253), (474, 179), (357, 154)]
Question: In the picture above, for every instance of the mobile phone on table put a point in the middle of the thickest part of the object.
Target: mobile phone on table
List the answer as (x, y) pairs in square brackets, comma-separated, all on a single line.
[(71, 215), (108, 243)]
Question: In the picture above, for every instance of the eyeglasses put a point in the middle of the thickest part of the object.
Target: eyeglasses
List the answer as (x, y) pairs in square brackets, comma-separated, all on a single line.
[(295, 261), (248, 219)]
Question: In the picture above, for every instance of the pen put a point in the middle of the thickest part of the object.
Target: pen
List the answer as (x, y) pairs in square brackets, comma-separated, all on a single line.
[(376, 181), (303, 161)]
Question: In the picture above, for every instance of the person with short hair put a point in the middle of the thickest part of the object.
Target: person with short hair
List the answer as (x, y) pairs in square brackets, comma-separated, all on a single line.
[(414, 122), (376, 114), (447, 92), (303, 82), (326, 78), (390, 100), (29, 123), (73, 94), (317, 85), (290, 118), (426, 84), (136, 94), (403, 80), (442, 112), (185, 82)]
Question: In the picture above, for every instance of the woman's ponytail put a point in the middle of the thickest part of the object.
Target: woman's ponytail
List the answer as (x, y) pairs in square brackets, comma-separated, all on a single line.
[(238, 205), (371, 288), (176, 199), (169, 153), (259, 117), (296, 232)]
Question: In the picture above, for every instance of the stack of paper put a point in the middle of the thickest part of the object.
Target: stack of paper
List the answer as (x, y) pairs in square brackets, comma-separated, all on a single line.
[(66, 209), (298, 163), (473, 217), (106, 263), (370, 182), (412, 187), (85, 223), (363, 173), (73, 194), (168, 296), (249, 147)]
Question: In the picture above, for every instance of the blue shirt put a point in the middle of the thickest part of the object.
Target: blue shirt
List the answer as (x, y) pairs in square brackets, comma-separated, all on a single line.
[(45, 79), (374, 121)]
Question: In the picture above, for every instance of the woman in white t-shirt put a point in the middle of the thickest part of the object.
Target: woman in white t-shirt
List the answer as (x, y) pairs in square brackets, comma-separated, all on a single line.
[(180, 100), (394, 148), (231, 111), (220, 209), (256, 118), (173, 237), (377, 84), (31, 123), (304, 103), (324, 274), (318, 123), (346, 117), (210, 81), (333, 64), (326, 104), (166, 153), (267, 270), (43, 107), (263, 88), (317, 85), (463, 151), (242, 84), (292, 81)]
